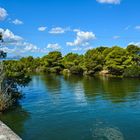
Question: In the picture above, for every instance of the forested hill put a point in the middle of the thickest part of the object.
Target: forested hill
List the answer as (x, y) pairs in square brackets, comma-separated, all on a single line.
[(116, 61)]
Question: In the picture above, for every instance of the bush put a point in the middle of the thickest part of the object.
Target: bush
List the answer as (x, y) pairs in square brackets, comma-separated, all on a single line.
[(132, 71), (76, 70), (6, 101)]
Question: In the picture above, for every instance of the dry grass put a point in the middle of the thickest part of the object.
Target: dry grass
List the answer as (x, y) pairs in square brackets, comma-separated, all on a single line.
[(6, 101)]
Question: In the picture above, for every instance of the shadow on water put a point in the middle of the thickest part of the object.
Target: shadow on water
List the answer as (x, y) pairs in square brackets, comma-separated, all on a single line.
[(15, 119)]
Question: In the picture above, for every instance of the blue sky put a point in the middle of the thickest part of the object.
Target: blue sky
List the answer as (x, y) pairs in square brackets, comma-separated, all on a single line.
[(35, 27)]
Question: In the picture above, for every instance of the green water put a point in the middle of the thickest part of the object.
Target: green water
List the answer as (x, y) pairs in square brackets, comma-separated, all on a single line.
[(77, 108)]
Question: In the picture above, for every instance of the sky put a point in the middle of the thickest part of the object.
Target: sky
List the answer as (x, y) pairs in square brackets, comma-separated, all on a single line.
[(36, 27)]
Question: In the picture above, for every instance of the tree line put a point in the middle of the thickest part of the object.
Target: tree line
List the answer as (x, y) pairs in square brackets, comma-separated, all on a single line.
[(114, 61)]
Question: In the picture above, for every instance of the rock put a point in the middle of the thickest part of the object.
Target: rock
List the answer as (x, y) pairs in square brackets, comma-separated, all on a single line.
[(6, 133), (107, 133)]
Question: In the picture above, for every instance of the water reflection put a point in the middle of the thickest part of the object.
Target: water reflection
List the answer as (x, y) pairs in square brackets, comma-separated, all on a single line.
[(52, 83), (90, 88), (76, 86), (67, 108), (115, 90), (120, 90), (16, 119), (93, 87)]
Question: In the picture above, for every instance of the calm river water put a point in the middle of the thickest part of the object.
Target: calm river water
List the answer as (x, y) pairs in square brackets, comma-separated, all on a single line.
[(77, 108)]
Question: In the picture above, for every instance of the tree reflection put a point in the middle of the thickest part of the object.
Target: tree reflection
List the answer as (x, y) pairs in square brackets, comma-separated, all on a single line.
[(92, 87), (120, 90), (15, 119), (52, 83), (73, 79), (116, 90)]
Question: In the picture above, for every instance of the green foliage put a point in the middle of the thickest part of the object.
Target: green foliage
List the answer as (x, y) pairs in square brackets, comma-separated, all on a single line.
[(132, 71), (133, 49), (93, 61), (15, 73), (74, 63), (52, 62), (12, 75), (117, 60)]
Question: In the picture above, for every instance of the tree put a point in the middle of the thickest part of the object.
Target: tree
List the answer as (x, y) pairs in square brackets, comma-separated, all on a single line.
[(52, 62), (133, 49), (117, 60), (74, 63), (12, 75), (1, 37), (93, 61)]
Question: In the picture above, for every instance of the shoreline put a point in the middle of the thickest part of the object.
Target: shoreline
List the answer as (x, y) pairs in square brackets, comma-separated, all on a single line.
[(6, 133)]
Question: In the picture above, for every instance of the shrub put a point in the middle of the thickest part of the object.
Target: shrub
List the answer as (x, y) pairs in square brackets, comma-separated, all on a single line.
[(132, 71)]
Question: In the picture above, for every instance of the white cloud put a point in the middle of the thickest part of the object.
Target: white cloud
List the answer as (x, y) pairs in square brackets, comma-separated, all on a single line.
[(137, 27), (109, 1), (82, 38), (9, 37), (55, 46), (134, 43), (3, 14), (17, 22), (16, 44), (42, 28), (58, 30)]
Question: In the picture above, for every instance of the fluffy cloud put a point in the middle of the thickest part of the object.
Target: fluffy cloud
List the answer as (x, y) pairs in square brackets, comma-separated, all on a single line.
[(17, 22), (134, 43), (58, 30), (9, 37), (109, 1), (3, 14), (42, 28), (82, 38), (55, 46), (16, 44)]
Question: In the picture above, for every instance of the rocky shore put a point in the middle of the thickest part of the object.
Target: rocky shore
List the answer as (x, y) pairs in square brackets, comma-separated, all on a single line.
[(7, 134)]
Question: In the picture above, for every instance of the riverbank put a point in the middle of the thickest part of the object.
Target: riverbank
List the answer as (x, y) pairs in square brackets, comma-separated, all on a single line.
[(6, 133)]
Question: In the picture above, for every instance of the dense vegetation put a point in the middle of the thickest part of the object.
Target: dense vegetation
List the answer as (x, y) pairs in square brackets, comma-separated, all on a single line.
[(12, 75), (115, 61)]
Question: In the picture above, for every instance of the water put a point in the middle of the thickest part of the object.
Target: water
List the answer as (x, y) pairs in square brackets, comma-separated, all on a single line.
[(77, 108)]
